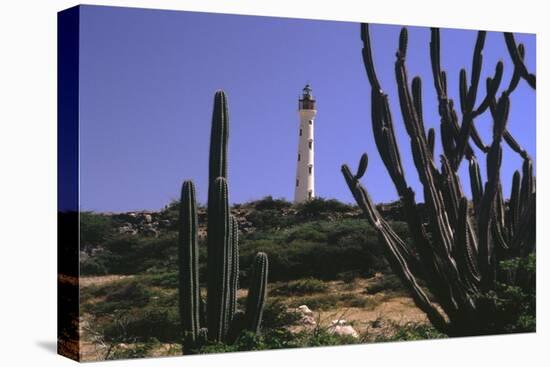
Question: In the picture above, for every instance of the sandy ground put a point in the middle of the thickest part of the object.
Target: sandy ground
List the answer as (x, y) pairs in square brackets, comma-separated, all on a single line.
[(390, 310), (102, 280)]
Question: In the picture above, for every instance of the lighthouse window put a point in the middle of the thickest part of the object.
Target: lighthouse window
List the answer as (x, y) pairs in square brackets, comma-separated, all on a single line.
[(310, 143), (309, 194), (300, 132), (310, 168), (297, 183), (311, 122), (299, 156)]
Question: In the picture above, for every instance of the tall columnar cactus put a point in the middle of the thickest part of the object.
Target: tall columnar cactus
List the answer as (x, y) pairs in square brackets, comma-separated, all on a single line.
[(221, 321), (189, 290), (257, 293), (457, 259)]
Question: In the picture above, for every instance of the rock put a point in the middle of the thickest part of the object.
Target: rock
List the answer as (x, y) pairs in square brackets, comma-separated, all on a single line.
[(340, 327), (148, 231), (307, 317), (305, 310), (164, 223), (148, 218), (127, 230)]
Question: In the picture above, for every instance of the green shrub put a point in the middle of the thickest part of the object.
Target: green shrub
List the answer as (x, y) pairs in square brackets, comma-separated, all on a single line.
[(321, 249), (268, 203), (164, 280), (281, 338), (317, 302), (277, 316), (411, 331), (127, 254), (318, 207), (355, 300), (141, 324), (93, 266), (95, 230), (514, 300), (300, 287), (138, 350), (268, 219), (322, 337), (387, 282)]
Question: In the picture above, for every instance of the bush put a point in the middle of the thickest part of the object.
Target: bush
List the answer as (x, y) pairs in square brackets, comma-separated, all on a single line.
[(387, 282), (127, 254), (321, 249), (281, 338), (277, 316), (165, 280), (411, 331), (298, 247), (514, 300), (317, 302), (95, 229), (93, 266), (268, 203), (300, 287), (267, 219), (130, 291), (141, 324), (138, 350), (319, 207)]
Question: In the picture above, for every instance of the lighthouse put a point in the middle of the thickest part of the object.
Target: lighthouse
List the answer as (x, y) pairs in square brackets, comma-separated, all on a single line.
[(305, 169)]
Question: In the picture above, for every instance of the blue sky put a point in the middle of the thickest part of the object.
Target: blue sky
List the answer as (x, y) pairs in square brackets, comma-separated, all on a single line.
[(148, 77)]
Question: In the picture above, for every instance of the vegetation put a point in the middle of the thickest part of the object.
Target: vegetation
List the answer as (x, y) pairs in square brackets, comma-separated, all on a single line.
[(460, 252), (319, 248), (222, 322), (470, 268), (300, 287)]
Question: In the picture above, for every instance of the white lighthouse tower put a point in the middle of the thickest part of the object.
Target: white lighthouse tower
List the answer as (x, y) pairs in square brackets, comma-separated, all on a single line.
[(305, 170)]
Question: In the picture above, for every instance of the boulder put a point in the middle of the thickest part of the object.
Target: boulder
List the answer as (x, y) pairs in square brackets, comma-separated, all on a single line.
[(306, 316), (341, 327)]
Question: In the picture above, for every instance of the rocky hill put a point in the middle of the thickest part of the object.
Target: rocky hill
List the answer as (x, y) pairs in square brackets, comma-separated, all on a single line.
[(153, 223)]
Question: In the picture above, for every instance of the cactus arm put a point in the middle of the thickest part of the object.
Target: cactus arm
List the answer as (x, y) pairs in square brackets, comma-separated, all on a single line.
[(431, 141), (517, 59), (525, 237), (476, 185), (367, 58), (494, 160), (395, 248), (388, 148), (217, 168), (257, 293), (234, 274), (527, 184), (188, 265), (219, 136), (513, 205), (423, 162), (218, 313), (468, 98), (218, 228), (219, 239), (516, 77), (458, 261), (466, 249), (417, 96)]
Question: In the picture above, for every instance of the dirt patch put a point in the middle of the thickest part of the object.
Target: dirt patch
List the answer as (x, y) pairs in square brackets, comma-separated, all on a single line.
[(381, 313), (102, 280)]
